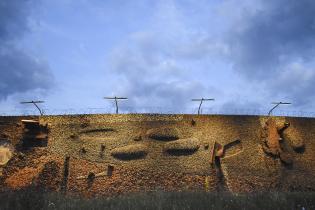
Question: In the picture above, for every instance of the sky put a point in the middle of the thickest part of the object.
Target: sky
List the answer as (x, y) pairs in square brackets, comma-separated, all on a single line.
[(159, 54)]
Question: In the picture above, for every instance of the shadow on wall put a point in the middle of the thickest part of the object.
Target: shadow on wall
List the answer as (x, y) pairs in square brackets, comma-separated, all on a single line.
[(34, 134)]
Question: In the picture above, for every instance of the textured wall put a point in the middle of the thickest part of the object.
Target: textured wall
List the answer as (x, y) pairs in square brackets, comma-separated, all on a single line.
[(113, 154)]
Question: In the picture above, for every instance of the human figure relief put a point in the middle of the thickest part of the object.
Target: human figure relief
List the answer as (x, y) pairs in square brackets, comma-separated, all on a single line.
[(272, 136)]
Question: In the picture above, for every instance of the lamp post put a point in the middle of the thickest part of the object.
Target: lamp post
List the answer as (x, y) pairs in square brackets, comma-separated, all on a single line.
[(116, 100), (276, 105), (202, 100), (35, 104)]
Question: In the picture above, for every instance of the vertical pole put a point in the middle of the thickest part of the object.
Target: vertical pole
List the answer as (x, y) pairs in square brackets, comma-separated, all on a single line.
[(200, 106), (116, 101), (116, 105)]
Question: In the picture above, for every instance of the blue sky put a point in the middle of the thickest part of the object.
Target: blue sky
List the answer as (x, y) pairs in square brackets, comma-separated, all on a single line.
[(159, 53)]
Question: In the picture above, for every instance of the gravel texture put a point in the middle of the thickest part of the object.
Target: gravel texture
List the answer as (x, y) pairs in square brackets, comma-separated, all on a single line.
[(158, 152)]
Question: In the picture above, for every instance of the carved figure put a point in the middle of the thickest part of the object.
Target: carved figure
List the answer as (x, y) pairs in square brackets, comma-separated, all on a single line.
[(272, 136), (218, 150)]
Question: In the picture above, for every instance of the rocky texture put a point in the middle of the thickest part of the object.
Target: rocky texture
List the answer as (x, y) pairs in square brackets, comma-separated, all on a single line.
[(243, 166)]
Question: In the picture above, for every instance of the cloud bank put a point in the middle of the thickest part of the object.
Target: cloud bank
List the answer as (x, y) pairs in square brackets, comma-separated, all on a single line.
[(155, 66), (270, 45), (162, 54), (274, 46), (20, 72)]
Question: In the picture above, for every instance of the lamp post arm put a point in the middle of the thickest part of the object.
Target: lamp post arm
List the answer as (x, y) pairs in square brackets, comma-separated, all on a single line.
[(269, 113), (40, 111)]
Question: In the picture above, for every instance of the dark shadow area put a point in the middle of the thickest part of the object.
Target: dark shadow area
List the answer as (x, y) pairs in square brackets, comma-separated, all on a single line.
[(3, 135), (180, 152), (82, 151), (29, 142), (163, 137), (221, 182), (32, 198), (110, 170), (27, 198), (85, 124), (34, 134), (102, 151), (300, 149), (64, 183), (4, 142), (90, 179), (286, 156), (74, 137), (288, 145), (287, 166), (50, 177), (130, 156), (99, 130)]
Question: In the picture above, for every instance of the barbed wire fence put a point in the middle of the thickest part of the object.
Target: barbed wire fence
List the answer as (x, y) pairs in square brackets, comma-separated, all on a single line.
[(158, 110)]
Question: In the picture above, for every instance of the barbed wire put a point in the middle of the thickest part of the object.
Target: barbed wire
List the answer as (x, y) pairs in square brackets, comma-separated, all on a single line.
[(158, 110)]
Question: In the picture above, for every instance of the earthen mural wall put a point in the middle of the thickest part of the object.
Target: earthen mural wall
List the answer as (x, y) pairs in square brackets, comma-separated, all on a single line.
[(113, 154)]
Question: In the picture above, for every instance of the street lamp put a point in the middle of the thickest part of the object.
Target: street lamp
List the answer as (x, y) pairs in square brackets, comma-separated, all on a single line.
[(116, 100), (35, 104), (276, 105), (202, 100)]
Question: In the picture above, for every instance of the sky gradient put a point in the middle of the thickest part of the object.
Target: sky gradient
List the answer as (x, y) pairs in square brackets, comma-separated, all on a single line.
[(161, 53)]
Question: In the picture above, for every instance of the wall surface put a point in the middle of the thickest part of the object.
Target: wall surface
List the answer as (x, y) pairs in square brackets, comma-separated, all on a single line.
[(95, 155)]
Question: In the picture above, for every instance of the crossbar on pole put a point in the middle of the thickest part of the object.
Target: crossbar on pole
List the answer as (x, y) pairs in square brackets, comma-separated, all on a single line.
[(276, 105), (35, 104), (116, 100), (201, 100)]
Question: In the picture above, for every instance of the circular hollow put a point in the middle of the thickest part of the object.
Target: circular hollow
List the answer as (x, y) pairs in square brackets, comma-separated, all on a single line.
[(182, 147), (130, 152), (163, 134)]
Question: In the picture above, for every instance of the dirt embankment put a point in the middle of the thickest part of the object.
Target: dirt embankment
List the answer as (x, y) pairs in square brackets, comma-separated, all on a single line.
[(114, 154)]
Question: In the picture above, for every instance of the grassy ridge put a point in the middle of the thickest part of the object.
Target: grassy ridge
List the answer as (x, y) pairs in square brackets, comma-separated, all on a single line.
[(26, 199)]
